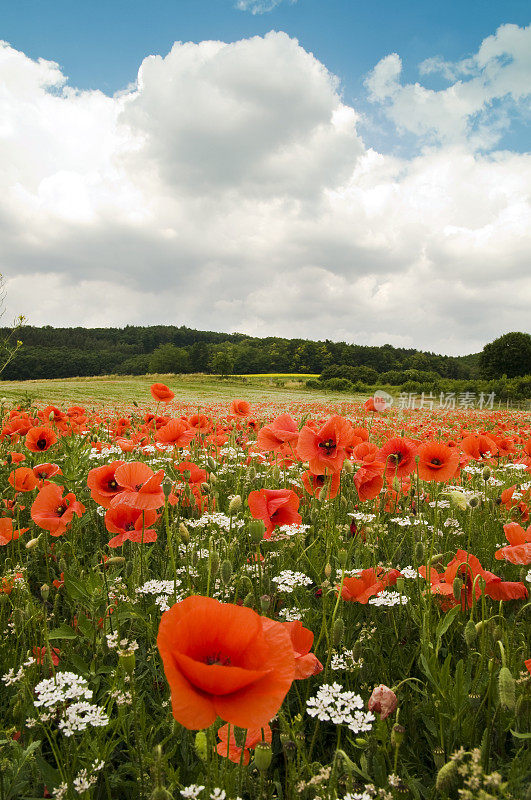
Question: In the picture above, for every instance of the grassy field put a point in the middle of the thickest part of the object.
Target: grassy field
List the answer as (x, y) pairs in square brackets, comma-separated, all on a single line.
[(109, 389)]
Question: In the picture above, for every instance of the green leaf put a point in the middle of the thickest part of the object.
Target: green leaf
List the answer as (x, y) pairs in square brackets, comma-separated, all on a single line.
[(520, 735), (446, 621), (63, 632)]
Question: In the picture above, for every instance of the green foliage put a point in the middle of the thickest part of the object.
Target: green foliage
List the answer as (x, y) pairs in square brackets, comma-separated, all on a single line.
[(169, 358), (509, 355)]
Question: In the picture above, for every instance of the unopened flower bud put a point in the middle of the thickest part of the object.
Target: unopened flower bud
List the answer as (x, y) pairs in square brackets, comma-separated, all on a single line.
[(506, 689), (249, 600), (486, 473), (348, 466), (265, 602), (338, 630), (32, 543), (184, 533), (383, 701), (457, 587), (201, 746), (419, 552), (262, 756), (226, 571), (458, 500), (328, 570), (473, 501), (235, 505), (447, 777), (115, 561), (214, 562), (45, 592), (342, 557), (128, 662), (211, 463), (470, 633), (257, 530)]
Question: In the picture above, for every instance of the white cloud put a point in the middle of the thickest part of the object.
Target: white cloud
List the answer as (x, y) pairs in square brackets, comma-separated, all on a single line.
[(260, 6), (486, 89), (229, 189)]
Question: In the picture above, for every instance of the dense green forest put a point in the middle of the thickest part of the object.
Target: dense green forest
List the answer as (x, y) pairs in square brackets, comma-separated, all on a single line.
[(71, 352)]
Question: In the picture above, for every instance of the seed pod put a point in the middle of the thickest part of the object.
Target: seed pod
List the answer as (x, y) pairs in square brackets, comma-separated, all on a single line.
[(328, 570), (357, 650), (226, 571), (457, 588), (398, 733), (438, 757), (211, 463), (474, 699), (470, 633), (338, 630), (447, 777), (201, 746), (289, 747), (262, 756), (235, 505), (128, 662), (506, 689), (342, 557), (473, 501), (486, 473), (497, 633)]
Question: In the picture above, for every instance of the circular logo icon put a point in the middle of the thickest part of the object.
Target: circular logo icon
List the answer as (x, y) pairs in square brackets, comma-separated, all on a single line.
[(382, 400)]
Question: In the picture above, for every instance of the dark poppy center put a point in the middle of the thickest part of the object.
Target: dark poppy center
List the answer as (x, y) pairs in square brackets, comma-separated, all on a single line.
[(113, 485), (329, 446), (217, 660), (129, 527), (436, 462), (396, 458), (41, 444)]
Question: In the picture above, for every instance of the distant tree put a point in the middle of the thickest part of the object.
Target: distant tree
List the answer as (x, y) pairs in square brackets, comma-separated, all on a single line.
[(508, 355), (222, 363), (168, 358)]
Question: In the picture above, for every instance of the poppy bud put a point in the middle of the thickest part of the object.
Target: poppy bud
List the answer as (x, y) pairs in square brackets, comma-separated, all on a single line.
[(289, 747), (398, 733), (470, 633), (212, 478), (348, 466), (383, 701), (249, 600), (342, 557), (115, 561), (32, 543), (497, 633), (201, 746), (357, 650), (214, 562), (257, 530), (235, 505), (338, 630), (486, 473), (362, 742), (251, 474), (226, 571), (184, 533), (457, 500), (447, 777), (263, 756), (275, 473), (18, 617), (506, 689), (45, 592), (211, 463), (473, 501), (328, 570), (51, 416), (457, 587), (400, 585)]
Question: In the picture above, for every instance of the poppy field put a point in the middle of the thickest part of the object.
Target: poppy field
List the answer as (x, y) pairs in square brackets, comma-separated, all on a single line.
[(269, 599)]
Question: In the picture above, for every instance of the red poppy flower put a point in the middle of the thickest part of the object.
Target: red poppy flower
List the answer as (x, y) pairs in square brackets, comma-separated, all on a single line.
[(275, 507), (479, 447), (140, 486), (175, 432), (369, 481), (399, 454), (161, 393), (220, 661), (40, 439), (230, 749), (518, 551), (23, 479), (103, 484), (53, 512), (43, 471), (240, 408), (325, 449), (322, 486), (197, 475), (279, 436), (367, 583), (306, 663), (437, 462), (39, 654), (7, 534), (130, 524)]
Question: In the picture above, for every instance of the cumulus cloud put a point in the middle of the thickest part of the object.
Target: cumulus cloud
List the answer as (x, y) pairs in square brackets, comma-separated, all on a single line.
[(260, 6), (230, 189), (486, 89)]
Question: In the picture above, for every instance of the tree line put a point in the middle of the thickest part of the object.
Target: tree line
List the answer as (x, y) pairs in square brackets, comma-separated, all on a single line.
[(49, 352)]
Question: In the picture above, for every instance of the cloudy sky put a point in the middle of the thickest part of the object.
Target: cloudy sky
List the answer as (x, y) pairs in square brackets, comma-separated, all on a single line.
[(304, 169)]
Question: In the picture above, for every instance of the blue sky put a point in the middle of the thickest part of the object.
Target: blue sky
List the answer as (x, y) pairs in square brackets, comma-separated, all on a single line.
[(99, 45), (343, 170)]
